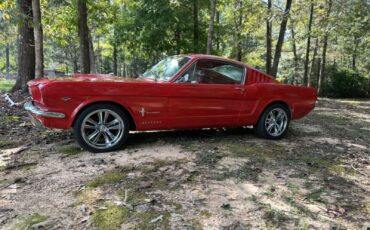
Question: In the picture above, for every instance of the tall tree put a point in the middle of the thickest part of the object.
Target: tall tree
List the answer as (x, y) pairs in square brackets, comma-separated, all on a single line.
[(238, 25), (211, 26), (83, 33), (26, 46), (7, 64), (295, 55), (279, 44), (306, 80), (39, 39), (269, 37), (324, 49), (354, 54), (195, 27)]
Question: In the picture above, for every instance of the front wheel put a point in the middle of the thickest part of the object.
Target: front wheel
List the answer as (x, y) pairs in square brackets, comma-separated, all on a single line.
[(274, 122), (101, 128)]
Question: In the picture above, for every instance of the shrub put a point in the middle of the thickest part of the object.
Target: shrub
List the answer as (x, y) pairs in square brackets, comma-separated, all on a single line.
[(345, 83)]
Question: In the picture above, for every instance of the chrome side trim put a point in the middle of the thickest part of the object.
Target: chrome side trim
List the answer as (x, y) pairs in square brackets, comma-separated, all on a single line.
[(30, 107)]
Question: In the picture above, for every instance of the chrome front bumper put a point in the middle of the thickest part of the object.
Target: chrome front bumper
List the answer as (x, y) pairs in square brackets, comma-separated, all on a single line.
[(30, 107)]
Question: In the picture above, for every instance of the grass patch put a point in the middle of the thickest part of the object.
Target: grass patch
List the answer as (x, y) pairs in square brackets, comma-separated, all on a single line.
[(106, 178), (88, 196), (4, 143), (271, 151), (247, 172), (110, 218), (6, 85), (315, 195), (11, 119), (146, 220), (31, 220), (276, 218), (329, 165), (205, 213), (292, 187), (366, 209), (69, 150)]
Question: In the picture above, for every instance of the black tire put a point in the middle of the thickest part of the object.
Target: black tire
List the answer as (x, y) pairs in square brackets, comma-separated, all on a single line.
[(113, 111), (260, 128)]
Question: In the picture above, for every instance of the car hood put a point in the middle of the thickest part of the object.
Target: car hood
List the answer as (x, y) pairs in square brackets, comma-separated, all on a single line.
[(85, 78)]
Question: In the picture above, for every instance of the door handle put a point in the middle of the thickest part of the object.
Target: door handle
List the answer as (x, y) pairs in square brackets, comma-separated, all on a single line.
[(241, 89)]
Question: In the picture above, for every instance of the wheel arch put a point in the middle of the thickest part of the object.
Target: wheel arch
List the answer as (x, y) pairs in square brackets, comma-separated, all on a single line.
[(279, 102), (83, 107)]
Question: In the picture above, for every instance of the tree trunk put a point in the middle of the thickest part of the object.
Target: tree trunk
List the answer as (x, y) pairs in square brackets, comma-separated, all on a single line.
[(218, 31), (92, 55), (115, 65), (178, 38), (324, 48), (211, 26), (7, 65), (295, 55), (280, 41), (26, 46), (239, 7), (314, 58), (39, 39), (196, 27), (354, 54), (268, 37), (83, 33), (306, 80)]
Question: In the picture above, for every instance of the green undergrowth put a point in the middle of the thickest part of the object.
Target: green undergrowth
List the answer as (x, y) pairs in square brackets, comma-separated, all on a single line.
[(134, 185), (69, 150), (111, 217), (28, 221)]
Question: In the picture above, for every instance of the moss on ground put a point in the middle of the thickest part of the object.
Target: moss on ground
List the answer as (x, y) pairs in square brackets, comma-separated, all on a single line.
[(109, 218), (69, 150), (107, 178), (271, 151), (330, 166), (30, 220), (153, 220), (4, 143)]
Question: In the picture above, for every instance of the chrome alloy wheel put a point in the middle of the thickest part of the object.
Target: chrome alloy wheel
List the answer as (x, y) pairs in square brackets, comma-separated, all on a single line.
[(102, 128), (276, 122)]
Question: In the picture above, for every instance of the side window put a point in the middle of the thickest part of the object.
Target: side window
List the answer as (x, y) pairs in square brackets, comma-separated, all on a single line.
[(213, 72), (218, 72), (188, 76)]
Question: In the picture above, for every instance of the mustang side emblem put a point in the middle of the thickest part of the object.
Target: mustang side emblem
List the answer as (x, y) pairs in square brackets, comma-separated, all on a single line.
[(65, 98), (143, 112)]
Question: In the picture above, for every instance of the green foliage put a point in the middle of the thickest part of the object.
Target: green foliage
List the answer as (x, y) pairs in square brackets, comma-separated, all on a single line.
[(6, 85), (110, 177), (346, 83), (109, 218), (30, 220), (69, 150)]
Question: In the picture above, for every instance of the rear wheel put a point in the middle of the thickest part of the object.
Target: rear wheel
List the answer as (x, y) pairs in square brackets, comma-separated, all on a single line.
[(274, 122), (101, 128)]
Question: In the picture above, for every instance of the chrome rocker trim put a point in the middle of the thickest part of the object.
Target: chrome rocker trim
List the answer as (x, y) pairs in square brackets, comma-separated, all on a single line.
[(30, 107)]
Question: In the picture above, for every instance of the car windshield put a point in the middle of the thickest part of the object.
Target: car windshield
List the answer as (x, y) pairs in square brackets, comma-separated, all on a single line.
[(166, 69)]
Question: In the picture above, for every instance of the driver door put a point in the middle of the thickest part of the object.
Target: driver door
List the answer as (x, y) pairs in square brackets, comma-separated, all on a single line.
[(209, 94)]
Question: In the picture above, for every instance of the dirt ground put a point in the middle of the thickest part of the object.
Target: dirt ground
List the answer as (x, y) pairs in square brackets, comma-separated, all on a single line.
[(318, 177)]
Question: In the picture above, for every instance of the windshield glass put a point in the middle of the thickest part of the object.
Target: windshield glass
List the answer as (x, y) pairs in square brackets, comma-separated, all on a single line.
[(166, 68)]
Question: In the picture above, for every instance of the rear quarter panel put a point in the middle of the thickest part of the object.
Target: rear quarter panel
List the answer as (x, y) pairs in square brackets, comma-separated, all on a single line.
[(301, 100)]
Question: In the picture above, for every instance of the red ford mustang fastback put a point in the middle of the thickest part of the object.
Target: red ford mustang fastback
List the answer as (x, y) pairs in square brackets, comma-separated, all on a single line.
[(180, 92)]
